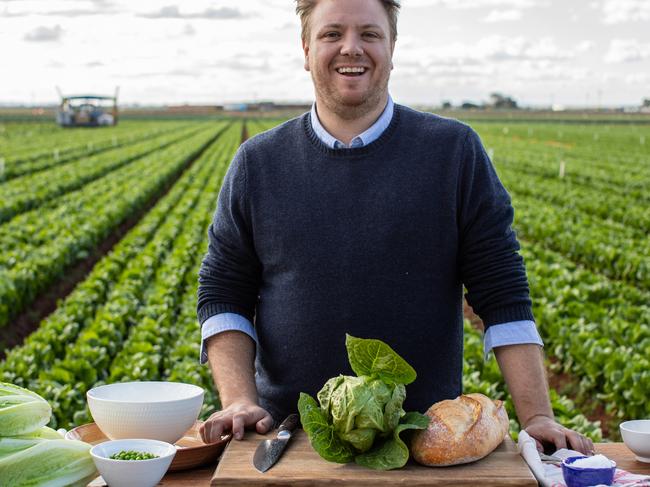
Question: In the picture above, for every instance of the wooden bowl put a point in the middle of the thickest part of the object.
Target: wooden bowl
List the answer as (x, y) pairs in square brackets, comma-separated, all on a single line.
[(191, 451)]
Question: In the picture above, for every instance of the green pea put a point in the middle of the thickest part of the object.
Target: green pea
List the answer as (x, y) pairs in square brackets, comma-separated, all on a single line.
[(132, 455)]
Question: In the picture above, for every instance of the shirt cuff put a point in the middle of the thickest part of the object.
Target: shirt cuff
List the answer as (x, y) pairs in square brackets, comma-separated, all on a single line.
[(511, 333), (224, 322)]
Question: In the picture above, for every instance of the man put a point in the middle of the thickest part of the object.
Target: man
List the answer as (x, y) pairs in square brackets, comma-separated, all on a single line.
[(362, 217)]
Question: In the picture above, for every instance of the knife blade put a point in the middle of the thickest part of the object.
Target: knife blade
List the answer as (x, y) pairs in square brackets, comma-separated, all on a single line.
[(269, 451)]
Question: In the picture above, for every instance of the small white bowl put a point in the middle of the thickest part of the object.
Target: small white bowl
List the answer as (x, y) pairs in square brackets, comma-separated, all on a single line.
[(636, 435), (156, 410), (131, 473)]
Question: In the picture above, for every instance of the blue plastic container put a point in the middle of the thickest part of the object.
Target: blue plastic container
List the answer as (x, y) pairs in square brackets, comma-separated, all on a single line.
[(585, 477)]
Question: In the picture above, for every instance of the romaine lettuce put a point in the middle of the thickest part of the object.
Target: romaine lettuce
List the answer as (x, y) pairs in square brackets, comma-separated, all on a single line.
[(360, 418), (21, 410), (32, 454), (45, 463)]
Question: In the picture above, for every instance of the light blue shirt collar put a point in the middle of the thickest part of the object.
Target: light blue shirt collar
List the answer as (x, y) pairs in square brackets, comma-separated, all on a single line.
[(365, 138)]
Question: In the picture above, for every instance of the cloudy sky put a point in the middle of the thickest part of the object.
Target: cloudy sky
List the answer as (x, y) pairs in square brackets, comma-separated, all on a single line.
[(540, 52)]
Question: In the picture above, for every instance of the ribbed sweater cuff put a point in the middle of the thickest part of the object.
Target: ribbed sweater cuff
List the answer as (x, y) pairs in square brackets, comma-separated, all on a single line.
[(211, 309), (498, 316)]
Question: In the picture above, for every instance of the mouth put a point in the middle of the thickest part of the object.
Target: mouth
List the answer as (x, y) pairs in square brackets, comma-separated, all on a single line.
[(351, 71)]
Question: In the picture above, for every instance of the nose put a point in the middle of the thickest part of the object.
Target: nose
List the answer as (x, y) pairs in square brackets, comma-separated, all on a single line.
[(352, 46)]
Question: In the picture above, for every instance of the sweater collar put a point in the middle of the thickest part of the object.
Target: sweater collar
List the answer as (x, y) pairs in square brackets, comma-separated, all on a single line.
[(355, 152), (365, 138)]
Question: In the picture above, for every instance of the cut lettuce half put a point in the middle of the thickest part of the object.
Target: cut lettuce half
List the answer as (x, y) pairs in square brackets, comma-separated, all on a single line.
[(21, 411), (45, 463)]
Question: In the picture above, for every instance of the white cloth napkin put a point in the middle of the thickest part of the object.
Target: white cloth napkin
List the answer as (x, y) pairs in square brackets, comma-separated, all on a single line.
[(549, 475)]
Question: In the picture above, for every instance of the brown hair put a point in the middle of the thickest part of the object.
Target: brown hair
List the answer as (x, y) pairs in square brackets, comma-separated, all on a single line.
[(305, 7)]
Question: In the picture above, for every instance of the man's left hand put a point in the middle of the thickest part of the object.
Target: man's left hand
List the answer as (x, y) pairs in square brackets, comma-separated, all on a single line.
[(547, 431)]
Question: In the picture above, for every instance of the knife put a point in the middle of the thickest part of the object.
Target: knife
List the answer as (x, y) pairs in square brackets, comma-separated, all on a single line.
[(269, 451)]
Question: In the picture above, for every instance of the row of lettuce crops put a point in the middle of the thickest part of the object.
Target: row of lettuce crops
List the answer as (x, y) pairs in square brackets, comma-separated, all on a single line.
[(26, 153), (581, 196), (38, 246), (130, 317)]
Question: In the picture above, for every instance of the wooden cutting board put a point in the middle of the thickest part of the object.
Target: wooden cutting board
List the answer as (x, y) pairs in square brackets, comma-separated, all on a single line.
[(300, 465)]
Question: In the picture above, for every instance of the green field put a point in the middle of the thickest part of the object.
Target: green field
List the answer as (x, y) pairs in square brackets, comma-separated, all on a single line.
[(125, 209)]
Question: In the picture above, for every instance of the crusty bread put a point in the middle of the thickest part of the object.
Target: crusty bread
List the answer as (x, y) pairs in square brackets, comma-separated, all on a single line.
[(460, 431)]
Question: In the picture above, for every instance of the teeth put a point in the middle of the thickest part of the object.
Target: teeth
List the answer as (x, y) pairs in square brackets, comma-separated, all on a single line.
[(351, 70)]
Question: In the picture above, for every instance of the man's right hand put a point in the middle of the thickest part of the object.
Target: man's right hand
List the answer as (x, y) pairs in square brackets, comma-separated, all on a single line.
[(235, 418)]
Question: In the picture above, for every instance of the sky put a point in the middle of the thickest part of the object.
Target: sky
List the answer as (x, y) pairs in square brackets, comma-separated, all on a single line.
[(539, 52)]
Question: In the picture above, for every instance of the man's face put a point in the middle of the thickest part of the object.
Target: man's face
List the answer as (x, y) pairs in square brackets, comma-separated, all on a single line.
[(349, 34)]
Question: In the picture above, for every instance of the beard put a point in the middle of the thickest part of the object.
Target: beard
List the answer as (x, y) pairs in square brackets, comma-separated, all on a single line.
[(345, 108)]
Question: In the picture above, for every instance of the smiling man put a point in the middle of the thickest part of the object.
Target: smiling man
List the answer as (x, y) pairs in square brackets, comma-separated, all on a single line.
[(363, 217)]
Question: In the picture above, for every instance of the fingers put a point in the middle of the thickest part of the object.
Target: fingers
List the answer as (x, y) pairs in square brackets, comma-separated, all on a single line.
[(235, 419), (212, 429), (580, 443), (545, 430), (238, 423), (558, 438), (264, 424)]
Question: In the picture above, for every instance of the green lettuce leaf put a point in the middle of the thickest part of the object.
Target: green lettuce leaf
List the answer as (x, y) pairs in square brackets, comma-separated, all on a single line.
[(375, 358), (21, 410), (321, 433), (392, 452), (45, 463)]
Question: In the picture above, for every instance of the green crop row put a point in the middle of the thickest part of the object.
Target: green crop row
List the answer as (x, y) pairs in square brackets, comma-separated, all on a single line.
[(596, 328), (630, 216), (618, 155), (49, 141), (30, 270), (485, 377), (38, 160), (30, 191), (604, 246)]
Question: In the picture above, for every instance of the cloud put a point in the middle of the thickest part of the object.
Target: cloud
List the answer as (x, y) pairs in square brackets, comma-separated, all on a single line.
[(45, 34), (617, 11), (503, 15), (173, 12), (244, 65), (189, 30), (466, 4), (94, 64), (80, 12), (626, 51)]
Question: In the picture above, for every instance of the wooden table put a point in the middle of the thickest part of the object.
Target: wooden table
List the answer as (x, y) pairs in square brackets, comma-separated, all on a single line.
[(618, 452)]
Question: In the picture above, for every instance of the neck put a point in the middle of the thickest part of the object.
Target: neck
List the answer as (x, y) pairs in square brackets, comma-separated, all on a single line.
[(346, 125)]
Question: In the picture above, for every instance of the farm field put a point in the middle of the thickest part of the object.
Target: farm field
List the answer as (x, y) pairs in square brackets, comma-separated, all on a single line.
[(125, 211)]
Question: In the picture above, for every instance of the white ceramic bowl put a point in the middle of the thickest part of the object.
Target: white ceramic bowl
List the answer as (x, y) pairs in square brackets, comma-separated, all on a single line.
[(130, 473), (636, 435), (155, 410)]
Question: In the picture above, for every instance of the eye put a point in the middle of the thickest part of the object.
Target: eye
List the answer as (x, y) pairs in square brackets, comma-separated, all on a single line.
[(331, 34), (371, 34)]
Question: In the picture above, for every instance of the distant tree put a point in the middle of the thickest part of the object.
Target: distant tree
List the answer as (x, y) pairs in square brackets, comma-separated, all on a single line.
[(469, 105), (646, 102), (497, 100), (446, 105)]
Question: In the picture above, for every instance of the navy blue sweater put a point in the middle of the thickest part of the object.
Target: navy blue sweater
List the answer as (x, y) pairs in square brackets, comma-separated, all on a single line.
[(311, 243)]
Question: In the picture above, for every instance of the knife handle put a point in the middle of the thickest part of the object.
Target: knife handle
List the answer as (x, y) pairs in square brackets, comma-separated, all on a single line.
[(289, 423)]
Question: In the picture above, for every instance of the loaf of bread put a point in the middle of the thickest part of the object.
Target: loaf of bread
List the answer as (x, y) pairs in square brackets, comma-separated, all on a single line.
[(462, 430)]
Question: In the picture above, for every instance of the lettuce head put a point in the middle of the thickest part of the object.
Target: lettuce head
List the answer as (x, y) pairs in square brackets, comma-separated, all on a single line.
[(360, 418)]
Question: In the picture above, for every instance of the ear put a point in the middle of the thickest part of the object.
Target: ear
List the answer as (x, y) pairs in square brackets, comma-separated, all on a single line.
[(305, 50)]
